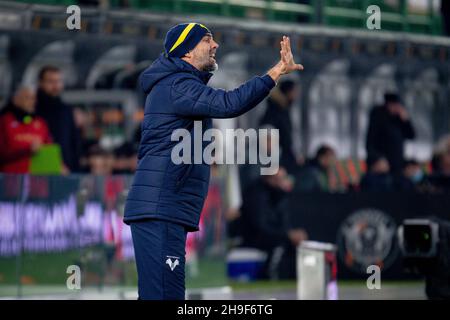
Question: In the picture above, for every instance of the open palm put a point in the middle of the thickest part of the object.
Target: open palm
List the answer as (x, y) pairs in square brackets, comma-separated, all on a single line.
[(287, 63)]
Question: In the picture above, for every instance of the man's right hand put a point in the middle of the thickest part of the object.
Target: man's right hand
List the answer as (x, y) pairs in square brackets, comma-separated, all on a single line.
[(286, 64), (402, 113), (297, 236)]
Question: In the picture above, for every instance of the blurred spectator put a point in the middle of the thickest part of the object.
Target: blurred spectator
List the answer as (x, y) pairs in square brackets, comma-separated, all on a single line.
[(264, 219), (248, 172), (377, 177), (125, 159), (59, 116), (439, 181), (22, 133), (277, 115), (87, 144), (441, 164), (314, 175), (100, 161), (412, 176), (389, 127)]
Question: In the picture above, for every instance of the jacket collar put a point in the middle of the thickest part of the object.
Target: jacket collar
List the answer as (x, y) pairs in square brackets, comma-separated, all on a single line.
[(185, 66)]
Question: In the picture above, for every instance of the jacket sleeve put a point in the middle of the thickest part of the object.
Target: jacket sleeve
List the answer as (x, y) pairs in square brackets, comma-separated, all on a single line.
[(373, 133), (408, 129), (259, 216), (193, 98)]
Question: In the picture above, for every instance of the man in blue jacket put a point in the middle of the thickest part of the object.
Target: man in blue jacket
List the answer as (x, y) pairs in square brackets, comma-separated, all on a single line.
[(165, 199)]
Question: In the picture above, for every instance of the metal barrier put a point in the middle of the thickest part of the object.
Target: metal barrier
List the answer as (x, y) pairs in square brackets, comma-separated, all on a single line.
[(316, 271)]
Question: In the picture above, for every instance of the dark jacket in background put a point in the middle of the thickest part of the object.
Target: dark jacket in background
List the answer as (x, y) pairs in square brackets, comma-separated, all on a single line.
[(277, 114), (386, 136), (312, 178), (263, 220), (177, 95), (60, 120), (377, 182), (264, 225)]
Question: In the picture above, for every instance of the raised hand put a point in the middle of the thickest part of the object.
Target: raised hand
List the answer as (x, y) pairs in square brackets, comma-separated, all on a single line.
[(287, 59), (286, 64)]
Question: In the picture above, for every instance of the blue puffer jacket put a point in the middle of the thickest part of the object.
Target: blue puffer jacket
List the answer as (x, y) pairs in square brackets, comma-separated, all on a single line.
[(177, 95)]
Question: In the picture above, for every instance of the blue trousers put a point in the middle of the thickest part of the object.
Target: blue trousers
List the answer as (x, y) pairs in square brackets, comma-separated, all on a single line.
[(159, 248)]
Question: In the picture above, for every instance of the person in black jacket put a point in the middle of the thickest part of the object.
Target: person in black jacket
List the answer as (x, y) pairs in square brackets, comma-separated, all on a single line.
[(377, 177), (278, 115), (265, 223), (59, 116), (389, 127), (313, 177)]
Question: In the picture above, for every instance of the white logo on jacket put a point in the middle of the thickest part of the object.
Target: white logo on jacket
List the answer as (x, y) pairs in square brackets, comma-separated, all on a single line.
[(172, 264)]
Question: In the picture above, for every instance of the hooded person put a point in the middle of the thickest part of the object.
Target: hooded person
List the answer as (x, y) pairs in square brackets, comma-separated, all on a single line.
[(166, 197)]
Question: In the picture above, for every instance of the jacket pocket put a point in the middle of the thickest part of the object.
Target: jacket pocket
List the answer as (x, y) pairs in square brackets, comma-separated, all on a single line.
[(183, 178)]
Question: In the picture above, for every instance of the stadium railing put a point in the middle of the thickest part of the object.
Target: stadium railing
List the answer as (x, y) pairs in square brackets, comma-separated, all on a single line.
[(327, 12)]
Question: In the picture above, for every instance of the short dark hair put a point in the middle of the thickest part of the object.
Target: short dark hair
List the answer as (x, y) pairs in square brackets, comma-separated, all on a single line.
[(410, 162), (323, 150), (286, 86), (392, 97), (374, 158), (46, 69)]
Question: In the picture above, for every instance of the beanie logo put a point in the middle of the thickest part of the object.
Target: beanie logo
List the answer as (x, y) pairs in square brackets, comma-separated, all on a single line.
[(182, 36)]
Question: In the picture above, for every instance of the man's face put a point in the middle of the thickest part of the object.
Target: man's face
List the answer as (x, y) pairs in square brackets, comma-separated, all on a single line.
[(293, 94), (381, 166), (52, 83), (203, 56), (328, 160), (411, 170), (25, 99), (280, 180), (394, 107)]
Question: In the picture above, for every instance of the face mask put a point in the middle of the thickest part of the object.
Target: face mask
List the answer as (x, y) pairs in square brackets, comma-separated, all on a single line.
[(417, 177)]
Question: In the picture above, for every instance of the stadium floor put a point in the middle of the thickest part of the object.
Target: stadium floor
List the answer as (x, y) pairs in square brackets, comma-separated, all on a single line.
[(348, 290)]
